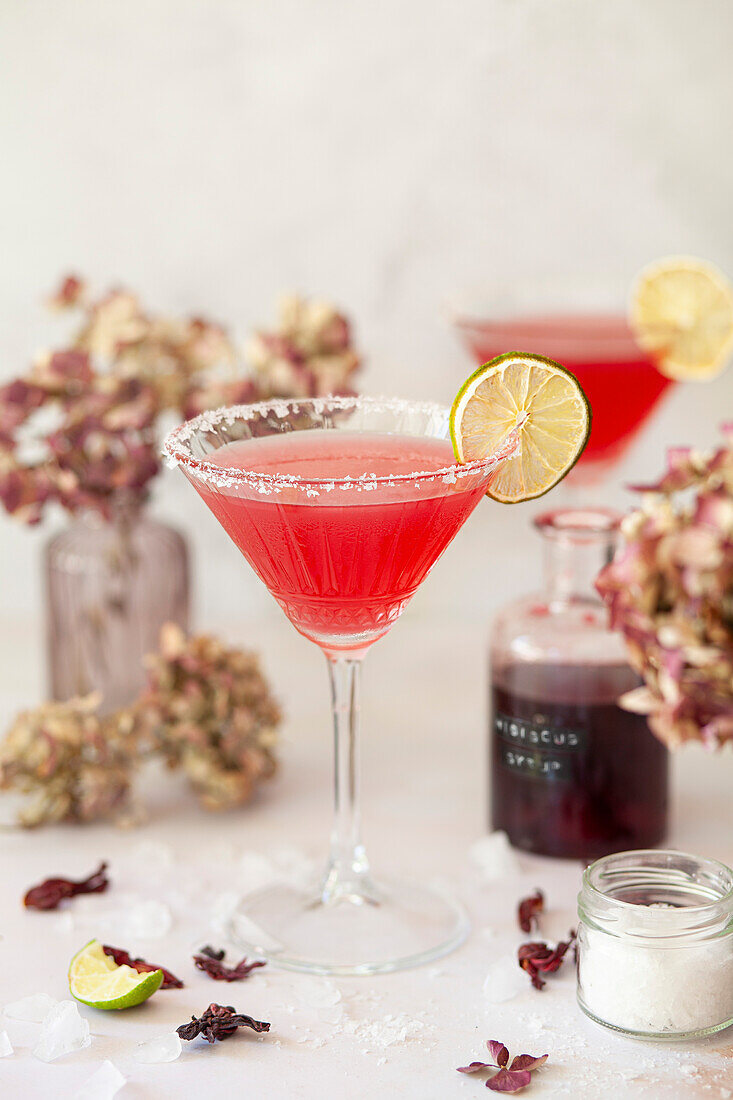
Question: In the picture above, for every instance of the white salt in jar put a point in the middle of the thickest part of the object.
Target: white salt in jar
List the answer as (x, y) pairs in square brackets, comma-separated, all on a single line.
[(655, 944)]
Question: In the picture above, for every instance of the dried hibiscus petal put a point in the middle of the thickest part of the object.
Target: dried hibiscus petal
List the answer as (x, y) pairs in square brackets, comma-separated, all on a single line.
[(219, 1022), (213, 952), (216, 969), (538, 958), (517, 1076), (528, 912), (122, 958), (50, 893)]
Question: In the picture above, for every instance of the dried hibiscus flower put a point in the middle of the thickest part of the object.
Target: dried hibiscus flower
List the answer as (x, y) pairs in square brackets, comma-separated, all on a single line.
[(50, 893), (122, 958), (216, 969), (508, 1078), (538, 958), (219, 1022), (528, 912), (217, 953)]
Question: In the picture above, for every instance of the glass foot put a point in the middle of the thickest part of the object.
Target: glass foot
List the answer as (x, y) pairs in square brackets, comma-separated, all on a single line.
[(380, 928)]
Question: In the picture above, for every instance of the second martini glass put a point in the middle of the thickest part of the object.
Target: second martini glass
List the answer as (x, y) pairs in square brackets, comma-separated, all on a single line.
[(342, 506)]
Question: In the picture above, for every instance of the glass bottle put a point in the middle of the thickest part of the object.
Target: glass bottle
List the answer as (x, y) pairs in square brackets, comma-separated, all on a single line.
[(110, 586), (572, 775)]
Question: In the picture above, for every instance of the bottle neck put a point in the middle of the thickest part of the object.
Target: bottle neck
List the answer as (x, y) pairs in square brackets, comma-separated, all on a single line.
[(577, 545)]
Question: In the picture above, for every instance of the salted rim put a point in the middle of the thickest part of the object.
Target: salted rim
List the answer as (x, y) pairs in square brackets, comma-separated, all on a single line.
[(177, 454)]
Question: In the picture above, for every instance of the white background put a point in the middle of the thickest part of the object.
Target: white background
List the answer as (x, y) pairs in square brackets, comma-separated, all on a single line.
[(389, 155)]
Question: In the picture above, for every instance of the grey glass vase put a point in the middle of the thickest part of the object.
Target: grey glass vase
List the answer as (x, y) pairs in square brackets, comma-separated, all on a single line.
[(110, 586)]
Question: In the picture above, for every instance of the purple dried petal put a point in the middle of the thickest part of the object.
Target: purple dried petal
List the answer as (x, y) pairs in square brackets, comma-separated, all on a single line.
[(475, 1067), (507, 1080), (498, 1052), (526, 1061)]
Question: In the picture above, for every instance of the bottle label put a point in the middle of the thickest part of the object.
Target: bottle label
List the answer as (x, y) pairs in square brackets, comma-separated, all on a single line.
[(535, 749)]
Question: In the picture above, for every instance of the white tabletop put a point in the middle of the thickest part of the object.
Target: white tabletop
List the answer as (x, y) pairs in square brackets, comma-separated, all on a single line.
[(424, 791)]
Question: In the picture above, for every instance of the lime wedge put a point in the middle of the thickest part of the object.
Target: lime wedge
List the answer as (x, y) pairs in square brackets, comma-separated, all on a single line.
[(96, 980), (682, 313), (540, 401)]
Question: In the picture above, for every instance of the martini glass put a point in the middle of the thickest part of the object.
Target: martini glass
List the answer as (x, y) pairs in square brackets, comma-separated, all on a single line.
[(620, 380), (341, 505)]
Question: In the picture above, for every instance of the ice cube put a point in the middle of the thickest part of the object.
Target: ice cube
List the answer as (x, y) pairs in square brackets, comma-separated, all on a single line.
[(318, 993), (149, 920), (34, 1009), (504, 980), (63, 1031), (223, 910), (102, 1085), (163, 1048), (494, 857), (6, 1047)]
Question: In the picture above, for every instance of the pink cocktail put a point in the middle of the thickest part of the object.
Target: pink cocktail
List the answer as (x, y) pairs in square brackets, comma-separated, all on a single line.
[(341, 506), (341, 563), (621, 382)]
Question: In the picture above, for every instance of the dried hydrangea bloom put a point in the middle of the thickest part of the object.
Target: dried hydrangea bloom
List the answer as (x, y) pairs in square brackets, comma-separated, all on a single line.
[(669, 590), (309, 354), (209, 710), (75, 765)]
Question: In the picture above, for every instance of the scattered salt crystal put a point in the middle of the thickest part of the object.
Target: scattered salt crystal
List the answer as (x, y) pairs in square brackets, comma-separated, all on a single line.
[(150, 920), (104, 1084), (725, 1093), (385, 1032), (494, 857), (63, 1031), (317, 993), (34, 1009), (689, 1071), (163, 1048), (6, 1047), (504, 980), (381, 1061)]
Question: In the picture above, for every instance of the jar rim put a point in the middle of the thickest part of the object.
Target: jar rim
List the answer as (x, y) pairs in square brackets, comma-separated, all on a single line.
[(653, 859)]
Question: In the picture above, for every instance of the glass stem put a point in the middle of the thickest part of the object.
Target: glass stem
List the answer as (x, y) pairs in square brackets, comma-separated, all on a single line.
[(347, 874)]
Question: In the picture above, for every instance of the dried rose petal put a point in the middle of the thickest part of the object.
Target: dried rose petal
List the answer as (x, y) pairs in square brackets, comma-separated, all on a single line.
[(529, 911), (219, 1022), (538, 958), (50, 893), (216, 969), (122, 958)]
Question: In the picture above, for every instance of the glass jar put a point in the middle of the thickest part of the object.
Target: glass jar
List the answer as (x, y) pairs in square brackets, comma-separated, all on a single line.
[(110, 586), (572, 774), (655, 944)]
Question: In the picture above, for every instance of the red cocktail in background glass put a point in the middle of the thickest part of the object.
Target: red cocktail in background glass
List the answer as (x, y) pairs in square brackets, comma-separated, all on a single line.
[(620, 381)]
